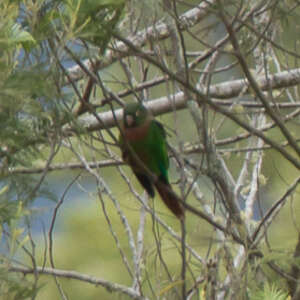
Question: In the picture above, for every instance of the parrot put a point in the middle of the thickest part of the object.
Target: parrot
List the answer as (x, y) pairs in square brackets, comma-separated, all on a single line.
[(144, 148)]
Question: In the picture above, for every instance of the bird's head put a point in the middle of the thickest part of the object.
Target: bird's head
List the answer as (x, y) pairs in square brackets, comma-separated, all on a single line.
[(135, 114)]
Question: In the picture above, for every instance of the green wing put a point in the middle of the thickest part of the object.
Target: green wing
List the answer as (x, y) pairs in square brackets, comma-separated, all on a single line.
[(158, 148), (152, 151)]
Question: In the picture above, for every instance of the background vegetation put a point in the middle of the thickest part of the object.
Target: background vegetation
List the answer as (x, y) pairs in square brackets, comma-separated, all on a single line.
[(223, 78)]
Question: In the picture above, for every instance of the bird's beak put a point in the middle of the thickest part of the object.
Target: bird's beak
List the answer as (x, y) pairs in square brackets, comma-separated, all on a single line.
[(129, 120)]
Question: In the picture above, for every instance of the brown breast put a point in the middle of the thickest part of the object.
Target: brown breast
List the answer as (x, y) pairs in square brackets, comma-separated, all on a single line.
[(136, 133)]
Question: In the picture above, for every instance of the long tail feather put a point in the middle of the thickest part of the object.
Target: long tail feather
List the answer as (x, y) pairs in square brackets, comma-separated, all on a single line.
[(171, 200)]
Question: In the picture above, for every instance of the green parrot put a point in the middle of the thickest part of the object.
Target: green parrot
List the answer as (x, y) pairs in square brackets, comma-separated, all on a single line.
[(144, 148)]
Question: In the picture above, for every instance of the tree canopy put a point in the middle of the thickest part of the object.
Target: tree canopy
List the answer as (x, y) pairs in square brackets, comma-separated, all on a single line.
[(222, 76)]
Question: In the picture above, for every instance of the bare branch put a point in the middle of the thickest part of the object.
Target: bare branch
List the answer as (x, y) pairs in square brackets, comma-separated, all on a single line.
[(225, 90), (158, 31), (110, 286)]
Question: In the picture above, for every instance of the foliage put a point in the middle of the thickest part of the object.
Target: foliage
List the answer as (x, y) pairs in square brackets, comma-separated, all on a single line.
[(270, 293), (34, 105)]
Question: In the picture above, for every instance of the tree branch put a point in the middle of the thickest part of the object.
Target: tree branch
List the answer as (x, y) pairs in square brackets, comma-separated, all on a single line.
[(158, 31), (226, 90), (110, 286)]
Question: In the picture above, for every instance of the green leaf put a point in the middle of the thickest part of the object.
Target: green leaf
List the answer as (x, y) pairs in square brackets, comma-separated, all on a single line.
[(92, 20), (20, 36), (270, 292), (16, 36)]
